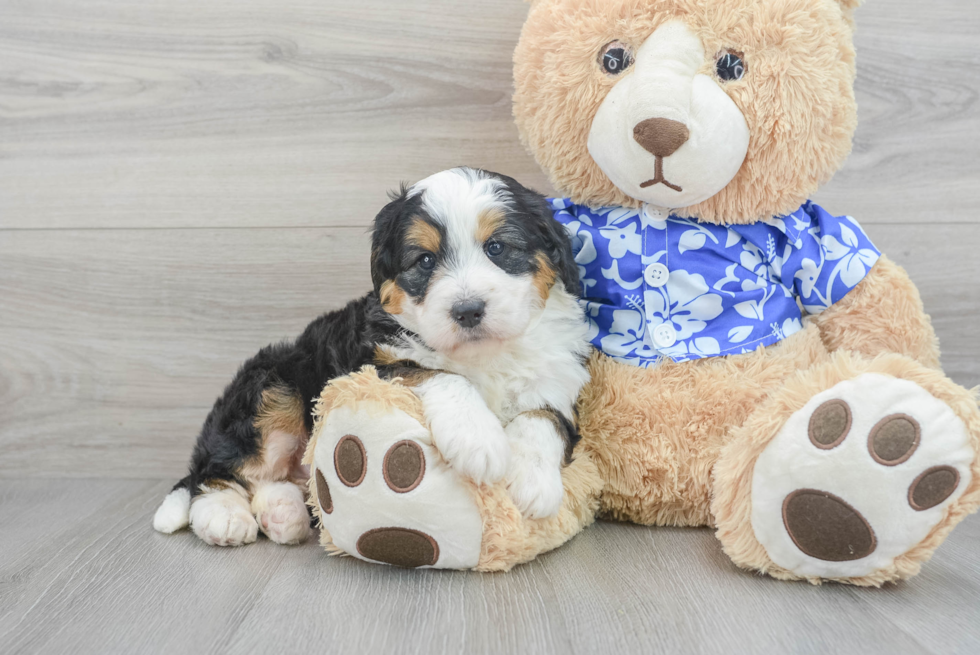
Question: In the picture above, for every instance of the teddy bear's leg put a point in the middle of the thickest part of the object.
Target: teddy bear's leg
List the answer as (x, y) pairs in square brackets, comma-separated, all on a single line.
[(382, 491), (854, 470)]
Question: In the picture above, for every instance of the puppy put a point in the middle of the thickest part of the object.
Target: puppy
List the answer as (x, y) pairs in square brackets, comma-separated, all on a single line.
[(474, 306)]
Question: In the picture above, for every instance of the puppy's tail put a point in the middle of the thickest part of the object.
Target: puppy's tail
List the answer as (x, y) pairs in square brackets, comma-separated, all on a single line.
[(174, 512)]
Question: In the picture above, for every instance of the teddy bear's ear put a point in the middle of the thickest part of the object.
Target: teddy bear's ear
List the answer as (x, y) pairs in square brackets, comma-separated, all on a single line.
[(847, 5)]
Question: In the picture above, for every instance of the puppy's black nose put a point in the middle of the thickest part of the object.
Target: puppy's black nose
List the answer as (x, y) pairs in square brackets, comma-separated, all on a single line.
[(468, 313)]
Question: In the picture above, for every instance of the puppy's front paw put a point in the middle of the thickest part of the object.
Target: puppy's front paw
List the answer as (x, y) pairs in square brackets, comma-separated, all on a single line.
[(534, 485), (473, 443), (465, 431)]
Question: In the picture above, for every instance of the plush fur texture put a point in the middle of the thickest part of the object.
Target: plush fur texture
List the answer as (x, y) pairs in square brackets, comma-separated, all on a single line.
[(655, 434), (797, 96), (885, 314)]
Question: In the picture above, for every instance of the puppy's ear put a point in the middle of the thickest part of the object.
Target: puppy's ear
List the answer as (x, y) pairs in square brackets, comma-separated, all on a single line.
[(560, 251), (385, 240), (553, 235)]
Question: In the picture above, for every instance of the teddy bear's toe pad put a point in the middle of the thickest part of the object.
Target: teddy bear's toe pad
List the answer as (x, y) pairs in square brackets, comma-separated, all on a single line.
[(386, 495), (857, 477)]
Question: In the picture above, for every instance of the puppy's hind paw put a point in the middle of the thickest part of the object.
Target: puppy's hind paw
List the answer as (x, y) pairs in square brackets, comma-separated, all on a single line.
[(223, 518), (173, 513), (280, 509)]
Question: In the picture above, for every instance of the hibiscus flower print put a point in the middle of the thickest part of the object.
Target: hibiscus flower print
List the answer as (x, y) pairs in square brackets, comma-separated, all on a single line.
[(686, 302), (623, 240), (721, 289), (625, 336), (854, 261)]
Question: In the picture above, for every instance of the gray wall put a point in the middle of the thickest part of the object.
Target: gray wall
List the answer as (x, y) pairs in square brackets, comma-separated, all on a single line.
[(184, 182)]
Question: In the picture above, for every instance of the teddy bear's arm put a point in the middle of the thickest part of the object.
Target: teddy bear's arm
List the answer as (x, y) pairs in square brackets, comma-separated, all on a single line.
[(882, 314)]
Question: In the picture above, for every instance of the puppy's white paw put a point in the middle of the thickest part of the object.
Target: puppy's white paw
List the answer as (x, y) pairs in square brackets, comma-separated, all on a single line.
[(280, 509), (534, 484), (534, 476), (478, 449), (464, 429), (173, 513), (223, 518)]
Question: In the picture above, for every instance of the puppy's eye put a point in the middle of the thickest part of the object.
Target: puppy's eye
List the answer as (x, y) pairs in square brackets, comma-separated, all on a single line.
[(730, 66), (615, 58), (426, 262), (494, 248)]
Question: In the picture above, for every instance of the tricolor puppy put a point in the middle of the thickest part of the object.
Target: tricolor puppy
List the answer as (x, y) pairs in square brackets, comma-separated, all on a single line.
[(473, 306)]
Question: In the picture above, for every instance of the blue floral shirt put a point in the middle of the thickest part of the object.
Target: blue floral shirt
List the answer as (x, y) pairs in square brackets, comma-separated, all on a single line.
[(656, 286)]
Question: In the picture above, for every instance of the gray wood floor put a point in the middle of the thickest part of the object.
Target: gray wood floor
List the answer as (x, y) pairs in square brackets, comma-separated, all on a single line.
[(83, 573), (182, 182)]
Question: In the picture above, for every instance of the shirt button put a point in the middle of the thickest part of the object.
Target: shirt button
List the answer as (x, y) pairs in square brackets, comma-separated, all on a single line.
[(656, 275), (653, 212), (664, 335)]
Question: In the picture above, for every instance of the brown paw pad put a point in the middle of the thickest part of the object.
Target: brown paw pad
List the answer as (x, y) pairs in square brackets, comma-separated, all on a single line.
[(399, 547), (893, 439), (826, 528), (323, 493), (933, 487), (830, 424), (404, 466), (350, 460)]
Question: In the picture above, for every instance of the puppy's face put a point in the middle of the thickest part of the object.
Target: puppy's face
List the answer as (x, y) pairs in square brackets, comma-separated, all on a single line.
[(465, 257)]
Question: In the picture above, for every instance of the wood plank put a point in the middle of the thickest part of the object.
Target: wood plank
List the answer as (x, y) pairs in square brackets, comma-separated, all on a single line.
[(289, 113), (914, 155), (114, 343), (102, 581), (264, 113)]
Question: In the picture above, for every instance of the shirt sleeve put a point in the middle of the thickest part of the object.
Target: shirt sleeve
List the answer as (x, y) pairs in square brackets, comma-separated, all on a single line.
[(826, 258)]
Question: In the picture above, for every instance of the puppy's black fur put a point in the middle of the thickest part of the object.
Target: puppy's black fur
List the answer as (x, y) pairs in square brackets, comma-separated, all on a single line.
[(340, 342)]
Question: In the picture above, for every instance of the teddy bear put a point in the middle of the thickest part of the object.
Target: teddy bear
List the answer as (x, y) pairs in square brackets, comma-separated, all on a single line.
[(759, 367)]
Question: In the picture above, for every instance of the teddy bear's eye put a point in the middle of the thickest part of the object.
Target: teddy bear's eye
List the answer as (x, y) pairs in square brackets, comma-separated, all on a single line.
[(730, 66), (615, 57)]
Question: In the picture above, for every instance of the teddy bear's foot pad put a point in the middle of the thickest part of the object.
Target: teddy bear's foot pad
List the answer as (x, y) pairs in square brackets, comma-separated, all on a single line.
[(857, 477), (386, 495), (399, 547)]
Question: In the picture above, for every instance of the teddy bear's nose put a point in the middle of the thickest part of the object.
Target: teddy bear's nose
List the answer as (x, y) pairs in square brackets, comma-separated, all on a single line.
[(661, 137)]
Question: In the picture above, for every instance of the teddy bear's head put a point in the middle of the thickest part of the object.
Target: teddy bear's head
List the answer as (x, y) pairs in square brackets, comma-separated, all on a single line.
[(728, 111)]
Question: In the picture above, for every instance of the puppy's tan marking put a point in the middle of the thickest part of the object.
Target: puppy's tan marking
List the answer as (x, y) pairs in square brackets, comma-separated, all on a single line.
[(544, 277), (487, 223), (282, 427), (407, 372), (384, 357), (424, 235), (392, 297)]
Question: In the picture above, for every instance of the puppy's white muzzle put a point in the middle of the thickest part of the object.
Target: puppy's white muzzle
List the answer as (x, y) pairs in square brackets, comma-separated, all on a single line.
[(696, 147)]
